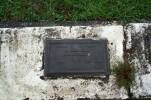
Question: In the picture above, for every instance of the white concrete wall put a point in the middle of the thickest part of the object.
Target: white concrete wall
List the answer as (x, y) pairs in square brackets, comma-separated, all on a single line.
[(21, 61), (136, 43)]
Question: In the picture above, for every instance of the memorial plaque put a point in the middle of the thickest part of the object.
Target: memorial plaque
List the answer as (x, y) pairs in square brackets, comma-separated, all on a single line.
[(81, 57)]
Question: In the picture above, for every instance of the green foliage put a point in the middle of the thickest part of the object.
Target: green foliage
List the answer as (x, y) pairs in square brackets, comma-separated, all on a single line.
[(124, 74), (75, 10)]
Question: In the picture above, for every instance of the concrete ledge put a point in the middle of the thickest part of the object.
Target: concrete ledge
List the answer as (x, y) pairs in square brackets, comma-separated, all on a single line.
[(21, 50)]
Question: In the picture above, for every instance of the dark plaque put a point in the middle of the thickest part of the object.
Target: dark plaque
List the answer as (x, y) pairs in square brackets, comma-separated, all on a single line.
[(82, 57)]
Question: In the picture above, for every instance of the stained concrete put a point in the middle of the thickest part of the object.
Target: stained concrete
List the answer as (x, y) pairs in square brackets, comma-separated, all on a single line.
[(21, 63), (138, 47), (21, 50)]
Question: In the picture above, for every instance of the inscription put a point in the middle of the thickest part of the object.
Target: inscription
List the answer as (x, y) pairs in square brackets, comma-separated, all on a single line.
[(76, 53)]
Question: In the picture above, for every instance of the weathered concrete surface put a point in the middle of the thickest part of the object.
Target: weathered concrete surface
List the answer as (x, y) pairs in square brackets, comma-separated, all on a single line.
[(21, 62), (139, 53)]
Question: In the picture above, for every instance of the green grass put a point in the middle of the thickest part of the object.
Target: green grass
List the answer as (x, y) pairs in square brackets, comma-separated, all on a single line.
[(75, 10), (124, 74)]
